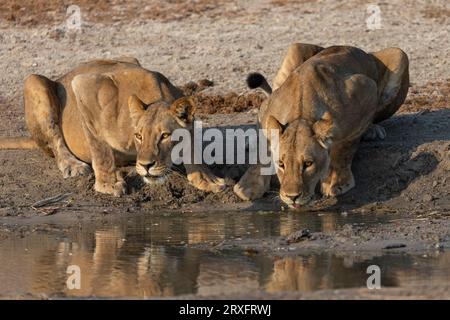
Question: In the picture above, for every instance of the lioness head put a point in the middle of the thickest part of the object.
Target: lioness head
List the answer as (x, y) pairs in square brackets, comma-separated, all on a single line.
[(153, 125), (302, 151), (303, 158)]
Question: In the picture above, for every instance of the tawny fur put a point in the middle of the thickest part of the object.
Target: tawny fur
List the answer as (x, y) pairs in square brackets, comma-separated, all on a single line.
[(324, 100), (93, 114)]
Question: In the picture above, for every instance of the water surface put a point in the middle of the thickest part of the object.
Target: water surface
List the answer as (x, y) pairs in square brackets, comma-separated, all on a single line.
[(152, 256)]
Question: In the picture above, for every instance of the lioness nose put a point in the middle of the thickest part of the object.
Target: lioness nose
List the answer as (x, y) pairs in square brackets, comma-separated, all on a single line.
[(293, 197), (147, 165)]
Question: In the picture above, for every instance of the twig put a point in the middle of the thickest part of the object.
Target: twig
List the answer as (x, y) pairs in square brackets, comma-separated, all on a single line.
[(54, 199)]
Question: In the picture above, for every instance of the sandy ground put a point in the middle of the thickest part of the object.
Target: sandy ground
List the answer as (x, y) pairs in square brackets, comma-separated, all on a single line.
[(408, 174)]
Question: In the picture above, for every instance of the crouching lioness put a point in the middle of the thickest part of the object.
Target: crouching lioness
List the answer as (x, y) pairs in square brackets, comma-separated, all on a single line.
[(109, 113), (323, 101)]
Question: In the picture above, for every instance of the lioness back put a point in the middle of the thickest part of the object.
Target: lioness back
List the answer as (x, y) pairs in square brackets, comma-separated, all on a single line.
[(129, 78)]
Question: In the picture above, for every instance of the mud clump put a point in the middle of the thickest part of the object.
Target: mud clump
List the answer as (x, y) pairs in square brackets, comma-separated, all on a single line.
[(172, 193), (193, 87), (227, 103)]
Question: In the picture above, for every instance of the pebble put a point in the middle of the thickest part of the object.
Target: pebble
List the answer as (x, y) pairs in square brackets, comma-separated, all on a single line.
[(395, 246)]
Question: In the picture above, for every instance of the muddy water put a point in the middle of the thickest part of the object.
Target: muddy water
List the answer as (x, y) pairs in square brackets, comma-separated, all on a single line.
[(154, 256)]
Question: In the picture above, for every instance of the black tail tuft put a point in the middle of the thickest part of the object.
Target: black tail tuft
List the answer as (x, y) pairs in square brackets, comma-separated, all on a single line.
[(255, 80)]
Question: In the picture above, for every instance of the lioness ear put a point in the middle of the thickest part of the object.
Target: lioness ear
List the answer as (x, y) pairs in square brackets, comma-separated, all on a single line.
[(136, 107), (273, 131), (183, 109), (273, 123), (323, 130)]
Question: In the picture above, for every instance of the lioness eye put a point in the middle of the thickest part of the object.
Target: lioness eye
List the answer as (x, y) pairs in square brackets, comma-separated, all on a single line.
[(165, 135), (138, 136), (307, 164), (281, 164)]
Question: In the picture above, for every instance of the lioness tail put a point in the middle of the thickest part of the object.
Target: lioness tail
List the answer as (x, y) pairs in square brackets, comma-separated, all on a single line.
[(257, 80), (17, 143)]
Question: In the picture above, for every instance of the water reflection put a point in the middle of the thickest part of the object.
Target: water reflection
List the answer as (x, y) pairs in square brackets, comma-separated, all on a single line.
[(149, 256)]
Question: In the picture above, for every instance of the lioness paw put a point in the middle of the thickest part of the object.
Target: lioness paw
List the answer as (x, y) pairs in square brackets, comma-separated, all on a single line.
[(73, 168), (334, 190), (117, 189), (248, 193), (206, 181), (374, 132), (252, 186)]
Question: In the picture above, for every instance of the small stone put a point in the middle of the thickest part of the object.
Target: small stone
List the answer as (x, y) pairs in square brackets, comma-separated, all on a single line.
[(427, 198), (298, 236), (395, 246), (251, 251)]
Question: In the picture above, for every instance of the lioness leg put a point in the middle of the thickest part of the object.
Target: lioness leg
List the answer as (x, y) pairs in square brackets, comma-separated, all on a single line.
[(108, 179), (202, 178), (340, 178), (252, 184), (42, 111), (393, 84), (296, 55)]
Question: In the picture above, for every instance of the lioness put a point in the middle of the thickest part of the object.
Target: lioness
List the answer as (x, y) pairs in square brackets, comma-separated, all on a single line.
[(109, 113), (323, 101)]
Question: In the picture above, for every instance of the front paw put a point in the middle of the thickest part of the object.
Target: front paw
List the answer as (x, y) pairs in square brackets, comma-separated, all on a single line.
[(206, 181), (252, 185), (117, 189), (73, 168), (335, 189), (248, 192)]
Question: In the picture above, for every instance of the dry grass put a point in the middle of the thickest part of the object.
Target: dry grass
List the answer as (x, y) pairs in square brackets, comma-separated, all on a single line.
[(431, 96), (48, 12), (434, 12), (283, 3)]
